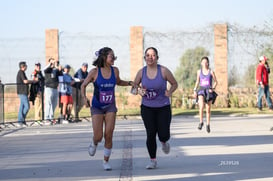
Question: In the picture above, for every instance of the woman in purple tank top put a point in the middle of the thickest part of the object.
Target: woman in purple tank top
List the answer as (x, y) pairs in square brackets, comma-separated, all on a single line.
[(103, 110), (206, 81), (155, 106)]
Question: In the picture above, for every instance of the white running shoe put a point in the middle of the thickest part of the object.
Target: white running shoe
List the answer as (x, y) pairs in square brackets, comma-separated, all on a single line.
[(64, 121), (166, 147), (152, 164), (106, 165), (21, 125), (92, 149)]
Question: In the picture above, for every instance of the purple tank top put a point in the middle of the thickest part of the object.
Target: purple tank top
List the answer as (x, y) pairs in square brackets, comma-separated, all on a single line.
[(205, 80), (155, 89)]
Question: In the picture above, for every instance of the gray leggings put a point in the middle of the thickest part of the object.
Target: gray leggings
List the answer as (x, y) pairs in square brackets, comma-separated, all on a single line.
[(156, 121)]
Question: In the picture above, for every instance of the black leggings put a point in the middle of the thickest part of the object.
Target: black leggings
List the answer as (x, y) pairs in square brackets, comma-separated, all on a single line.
[(156, 121)]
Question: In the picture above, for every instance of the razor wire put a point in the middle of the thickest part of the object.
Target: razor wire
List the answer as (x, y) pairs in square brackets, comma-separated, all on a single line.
[(245, 46), (14, 50), (76, 48), (172, 45)]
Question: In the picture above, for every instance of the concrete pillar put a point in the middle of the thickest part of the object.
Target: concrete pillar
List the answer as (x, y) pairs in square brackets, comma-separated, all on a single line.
[(136, 50), (220, 59), (52, 44)]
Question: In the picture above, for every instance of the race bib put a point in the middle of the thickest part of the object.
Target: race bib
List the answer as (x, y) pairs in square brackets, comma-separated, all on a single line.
[(106, 97), (204, 83), (151, 94)]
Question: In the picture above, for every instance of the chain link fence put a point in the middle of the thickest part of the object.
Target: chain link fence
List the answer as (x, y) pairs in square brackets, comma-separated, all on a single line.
[(74, 49), (14, 50), (172, 45), (245, 46)]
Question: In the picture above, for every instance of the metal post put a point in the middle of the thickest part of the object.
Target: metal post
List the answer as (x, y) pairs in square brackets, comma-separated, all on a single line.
[(77, 105), (2, 111), (43, 111)]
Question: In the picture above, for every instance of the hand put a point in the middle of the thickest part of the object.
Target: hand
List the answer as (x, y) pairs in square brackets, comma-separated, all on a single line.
[(141, 91), (86, 102), (168, 93), (35, 80), (134, 90), (195, 94), (52, 61)]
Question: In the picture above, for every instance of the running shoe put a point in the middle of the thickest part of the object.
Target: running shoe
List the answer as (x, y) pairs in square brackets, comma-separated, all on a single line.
[(200, 125), (208, 128), (54, 121), (152, 164), (22, 124), (166, 147), (106, 165), (47, 122), (64, 121), (92, 149)]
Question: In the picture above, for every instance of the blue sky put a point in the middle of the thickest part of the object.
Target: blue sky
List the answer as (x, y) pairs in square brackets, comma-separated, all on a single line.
[(30, 18)]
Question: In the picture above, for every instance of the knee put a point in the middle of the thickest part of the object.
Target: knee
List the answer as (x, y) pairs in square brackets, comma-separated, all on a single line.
[(201, 104), (151, 134), (151, 138), (27, 106), (108, 137), (97, 138)]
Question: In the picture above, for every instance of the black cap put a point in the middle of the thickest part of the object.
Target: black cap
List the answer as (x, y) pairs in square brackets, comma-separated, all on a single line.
[(21, 64), (38, 63)]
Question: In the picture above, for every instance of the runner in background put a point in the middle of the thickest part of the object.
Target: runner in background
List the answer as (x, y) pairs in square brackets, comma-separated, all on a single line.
[(206, 81)]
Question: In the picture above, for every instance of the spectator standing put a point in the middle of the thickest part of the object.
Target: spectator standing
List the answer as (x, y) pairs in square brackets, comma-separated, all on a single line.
[(23, 91), (262, 80), (65, 89), (78, 100), (52, 71), (36, 91)]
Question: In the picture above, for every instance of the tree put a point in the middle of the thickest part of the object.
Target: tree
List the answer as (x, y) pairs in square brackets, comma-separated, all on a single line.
[(250, 75), (185, 74)]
